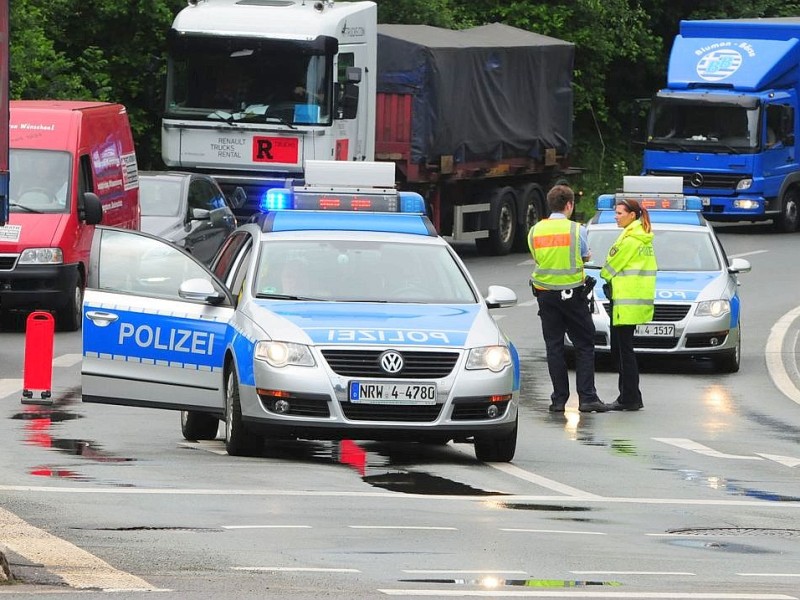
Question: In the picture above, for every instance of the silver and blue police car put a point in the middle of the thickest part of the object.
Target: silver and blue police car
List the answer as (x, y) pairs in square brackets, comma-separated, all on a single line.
[(697, 305), (337, 313)]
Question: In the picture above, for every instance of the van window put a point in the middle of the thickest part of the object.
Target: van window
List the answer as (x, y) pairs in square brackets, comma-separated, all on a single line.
[(39, 180)]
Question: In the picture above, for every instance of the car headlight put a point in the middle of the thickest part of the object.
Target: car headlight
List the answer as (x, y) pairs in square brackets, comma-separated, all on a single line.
[(282, 354), (41, 256), (713, 308), (494, 358)]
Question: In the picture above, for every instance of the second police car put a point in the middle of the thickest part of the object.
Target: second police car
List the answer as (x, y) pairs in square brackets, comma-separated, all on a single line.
[(338, 313), (697, 304)]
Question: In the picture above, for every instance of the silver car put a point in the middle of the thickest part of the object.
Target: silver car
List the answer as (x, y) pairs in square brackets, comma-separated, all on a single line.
[(309, 324), (698, 311)]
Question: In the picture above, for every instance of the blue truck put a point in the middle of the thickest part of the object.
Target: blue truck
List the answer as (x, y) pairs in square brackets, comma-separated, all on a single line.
[(727, 121)]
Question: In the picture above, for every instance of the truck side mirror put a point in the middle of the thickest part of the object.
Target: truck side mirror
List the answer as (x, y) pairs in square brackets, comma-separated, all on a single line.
[(639, 121), (348, 104), (91, 210)]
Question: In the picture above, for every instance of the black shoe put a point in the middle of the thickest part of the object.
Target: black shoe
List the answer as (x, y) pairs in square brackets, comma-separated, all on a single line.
[(595, 406), (617, 406), (556, 408)]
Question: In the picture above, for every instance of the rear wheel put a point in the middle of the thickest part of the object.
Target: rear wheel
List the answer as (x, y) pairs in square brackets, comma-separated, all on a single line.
[(789, 219), (531, 205), (497, 449), (238, 441), (503, 223), (198, 426)]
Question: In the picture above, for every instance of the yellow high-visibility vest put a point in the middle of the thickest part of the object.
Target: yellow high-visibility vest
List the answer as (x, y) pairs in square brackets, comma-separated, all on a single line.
[(556, 247)]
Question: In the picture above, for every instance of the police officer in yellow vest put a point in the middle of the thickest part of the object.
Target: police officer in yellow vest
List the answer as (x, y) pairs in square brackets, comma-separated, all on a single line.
[(559, 248), (630, 270)]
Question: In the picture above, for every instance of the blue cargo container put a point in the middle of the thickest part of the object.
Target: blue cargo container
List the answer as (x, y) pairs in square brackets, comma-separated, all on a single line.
[(727, 120)]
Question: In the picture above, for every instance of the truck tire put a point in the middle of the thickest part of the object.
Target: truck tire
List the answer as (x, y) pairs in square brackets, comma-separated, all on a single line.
[(502, 223), (789, 219), (530, 210)]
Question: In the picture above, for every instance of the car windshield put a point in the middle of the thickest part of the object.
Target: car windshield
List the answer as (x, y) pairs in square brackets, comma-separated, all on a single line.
[(361, 271), (159, 197), (676, 250), (39, 181)]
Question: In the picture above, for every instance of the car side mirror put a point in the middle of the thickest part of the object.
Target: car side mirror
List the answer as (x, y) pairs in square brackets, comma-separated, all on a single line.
[(201, 290), (201, 214), (91, 210), (739, 265), (500, 297)]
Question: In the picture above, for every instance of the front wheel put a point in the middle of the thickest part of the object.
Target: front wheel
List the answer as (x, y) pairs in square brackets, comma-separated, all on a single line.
[(730, 361), (238, 441), (789, 219), (497, 449), (70, 317), (197, 426)]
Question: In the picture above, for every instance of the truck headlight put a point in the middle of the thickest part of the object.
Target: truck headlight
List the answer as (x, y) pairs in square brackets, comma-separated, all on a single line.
[(494, 358), (41, 256), (713, 308), (282, 354), (744, 184), (747, 204)]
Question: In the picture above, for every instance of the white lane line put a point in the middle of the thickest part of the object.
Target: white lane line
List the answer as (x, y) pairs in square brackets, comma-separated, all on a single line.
[(687, 444), (212, 446), (774, 356), (513, 530), (266, 527), (296, 569), (578, 594), (657, 573), (789, 461), (76, 567), (743, 254), (527, 303), (769, 574), (544, 482), (401, 527), (461, 572), (67, 360), (10, 386)]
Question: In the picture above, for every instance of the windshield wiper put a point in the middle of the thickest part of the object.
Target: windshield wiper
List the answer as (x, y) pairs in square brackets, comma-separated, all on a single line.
[(25, 208), (289, 297)]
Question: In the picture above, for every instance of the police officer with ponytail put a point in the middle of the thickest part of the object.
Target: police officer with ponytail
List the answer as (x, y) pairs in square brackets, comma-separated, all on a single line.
[(630, 272), (559, 248)]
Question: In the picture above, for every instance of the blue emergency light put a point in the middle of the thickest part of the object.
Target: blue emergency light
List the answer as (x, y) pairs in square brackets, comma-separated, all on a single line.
[(653, 201), (276, 199)]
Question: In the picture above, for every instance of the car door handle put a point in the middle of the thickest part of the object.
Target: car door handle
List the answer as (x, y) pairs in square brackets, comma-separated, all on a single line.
[(100, 318)]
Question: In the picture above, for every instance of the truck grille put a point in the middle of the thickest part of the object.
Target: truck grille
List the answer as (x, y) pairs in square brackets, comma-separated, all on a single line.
[(716, 181), (366, 363), (7, 261), (664, 313)]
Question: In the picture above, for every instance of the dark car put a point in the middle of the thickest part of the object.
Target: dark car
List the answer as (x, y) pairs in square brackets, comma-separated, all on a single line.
[(187, 209)]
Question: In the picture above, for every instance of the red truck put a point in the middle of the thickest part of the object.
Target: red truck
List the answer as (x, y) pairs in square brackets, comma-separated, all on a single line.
[(72, 165)]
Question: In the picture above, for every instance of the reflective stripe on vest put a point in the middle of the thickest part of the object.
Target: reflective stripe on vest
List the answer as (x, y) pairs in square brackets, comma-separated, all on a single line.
[(556, 247)]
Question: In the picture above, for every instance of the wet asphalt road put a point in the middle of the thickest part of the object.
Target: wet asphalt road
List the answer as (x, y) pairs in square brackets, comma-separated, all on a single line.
[(697, 496)]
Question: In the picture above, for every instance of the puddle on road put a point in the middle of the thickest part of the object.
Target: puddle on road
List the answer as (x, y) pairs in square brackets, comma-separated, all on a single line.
[(718, 546), (424, 483), (39, 422), (543, 507), (733, 487)]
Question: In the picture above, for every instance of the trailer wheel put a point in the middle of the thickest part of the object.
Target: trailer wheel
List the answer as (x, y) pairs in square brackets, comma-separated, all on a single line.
[(789, 219), (530, 205), (502, 223)]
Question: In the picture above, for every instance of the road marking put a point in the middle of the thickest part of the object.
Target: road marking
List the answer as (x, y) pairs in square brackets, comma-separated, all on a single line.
[(544, 482), (579, 594), (76, 567), (528, 303), (769, 574), (10, 386), (552, 531), (774, 355), (67, 360), (657, 573), (743, 254), (461, 572), (789, 461), (266, 527), (296, 569), (402, 527), (701, 449), (211, 446)]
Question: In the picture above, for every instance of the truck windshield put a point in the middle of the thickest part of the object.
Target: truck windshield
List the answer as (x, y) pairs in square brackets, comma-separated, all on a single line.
[(702, 126), (39, 181), (230, 79)]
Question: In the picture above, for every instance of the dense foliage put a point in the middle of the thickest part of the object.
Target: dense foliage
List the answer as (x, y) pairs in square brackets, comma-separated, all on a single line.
[(114, 50)]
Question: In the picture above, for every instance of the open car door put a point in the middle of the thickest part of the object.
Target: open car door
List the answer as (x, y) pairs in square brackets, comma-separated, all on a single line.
[(155, 325)]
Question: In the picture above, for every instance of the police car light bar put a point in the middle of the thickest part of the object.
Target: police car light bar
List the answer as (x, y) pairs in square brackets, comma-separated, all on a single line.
[(652, 201), (305, 198)]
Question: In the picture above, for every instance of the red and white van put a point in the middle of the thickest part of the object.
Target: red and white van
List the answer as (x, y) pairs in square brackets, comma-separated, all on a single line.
[(72, 165)]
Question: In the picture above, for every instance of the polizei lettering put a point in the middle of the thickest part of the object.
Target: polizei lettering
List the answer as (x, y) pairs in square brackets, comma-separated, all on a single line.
[(174, 340), (396, 336)]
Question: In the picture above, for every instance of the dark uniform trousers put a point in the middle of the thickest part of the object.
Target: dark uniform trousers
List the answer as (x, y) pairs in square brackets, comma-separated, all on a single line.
[(626, 364), (570, 316)]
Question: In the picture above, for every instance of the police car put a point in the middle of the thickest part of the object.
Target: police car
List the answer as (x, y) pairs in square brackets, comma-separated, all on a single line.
[(337, 313), (697, 304)]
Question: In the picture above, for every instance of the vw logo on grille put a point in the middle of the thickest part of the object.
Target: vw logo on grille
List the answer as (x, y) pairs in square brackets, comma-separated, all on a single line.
[(696, 179), (391, 362)]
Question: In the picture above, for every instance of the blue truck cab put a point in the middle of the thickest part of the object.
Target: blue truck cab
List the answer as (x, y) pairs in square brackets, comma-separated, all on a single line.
[(727, 120)]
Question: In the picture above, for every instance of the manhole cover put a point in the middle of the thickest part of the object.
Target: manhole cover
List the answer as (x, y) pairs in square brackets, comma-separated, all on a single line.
[(737, 531)]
